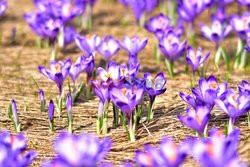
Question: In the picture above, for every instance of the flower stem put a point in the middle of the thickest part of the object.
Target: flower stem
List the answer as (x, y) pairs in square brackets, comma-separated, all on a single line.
[(53, 52), (157, 54), (248, 118), (51, 126), (70, 123), (230, 125), (131, 130), (150, 110), (59, 106), (240, 48), (170, 67)]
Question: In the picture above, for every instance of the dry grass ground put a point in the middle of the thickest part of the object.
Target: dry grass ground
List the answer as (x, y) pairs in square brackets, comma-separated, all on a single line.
[(18, 65)]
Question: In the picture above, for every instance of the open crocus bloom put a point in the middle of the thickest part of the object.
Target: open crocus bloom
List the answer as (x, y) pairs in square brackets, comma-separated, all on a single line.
[(3, 6), (218, 150), (155, 86), (79, 150), (189, 10), (129, 72), (88, 43), (58, 72), (190, 99), (171, 46), (241, 25), (217, 32), (168, 154), (209, 89), (195, 59), (108, 47), (234, 105), (133, 45), (12, 150), (113, 72), (196, 119), (244, 87), (127, 97), (77, 68)]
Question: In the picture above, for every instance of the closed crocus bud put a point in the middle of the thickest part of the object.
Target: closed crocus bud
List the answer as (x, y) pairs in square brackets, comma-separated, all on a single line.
[(51, 110), (14, 115), (42, 100)]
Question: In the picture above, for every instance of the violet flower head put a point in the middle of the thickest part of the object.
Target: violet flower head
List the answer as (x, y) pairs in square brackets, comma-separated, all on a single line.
[(132, 71), (245, 3), (223, 3), (195, 59), (155, 86), (44, 25), (189, 10), (138, 7), (244, 87), (171, 47), (217, 32), (69, 105), (88, 43), (241, 25), (80, 150), (14, 150), (51, 110), (3, 6), (89, 62), (125, 2), (127, 97), (58, 72), (14, 112), (220, 15), (218, 150), (168, 154), (191, 100), (133, 45), (234, 105), (108, 47), (196, 119), (69, 33), (78, 68), (112, 73), (209, 89)]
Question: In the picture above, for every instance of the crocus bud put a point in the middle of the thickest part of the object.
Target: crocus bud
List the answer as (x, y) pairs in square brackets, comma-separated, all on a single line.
[(42, 100), (51, 110), (14, 115)]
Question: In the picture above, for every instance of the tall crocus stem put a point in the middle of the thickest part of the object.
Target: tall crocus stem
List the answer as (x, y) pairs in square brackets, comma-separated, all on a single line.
[(243, 61), (69, 104), (170, 67), (87, 17), (230, 125), (150, 109), (102, 120), (172, 10), (60, 38), (59, 106), (217, 56), (142, 20), (53, 52), (240, 48), (132, 129), (116, 115), (191, 34)]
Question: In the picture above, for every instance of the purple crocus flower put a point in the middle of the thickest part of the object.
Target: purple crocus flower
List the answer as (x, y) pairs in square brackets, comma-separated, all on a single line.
[(189, 10), (3, 6), (42, 100), (78, 68), (79, 150), (14, 150), (133, 45), (234, 106), (209, 89), (108, 47), (112, 73), (132, 71), (244, 87), (223, 3), (195, 59), (154, 86), (158, 24), (69, 33), (217, 32), (57, 73), (244, 3), (218, 150), (168, 154), (88, 43), (138, 7), (89, 62), (241, 25), (171, 46), (125, 2), (196, 119), (44, 25), (127, 98), (191, 100), (220, 15)]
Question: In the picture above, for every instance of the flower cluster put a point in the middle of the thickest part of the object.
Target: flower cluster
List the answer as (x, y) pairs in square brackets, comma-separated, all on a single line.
[(13, 150)]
